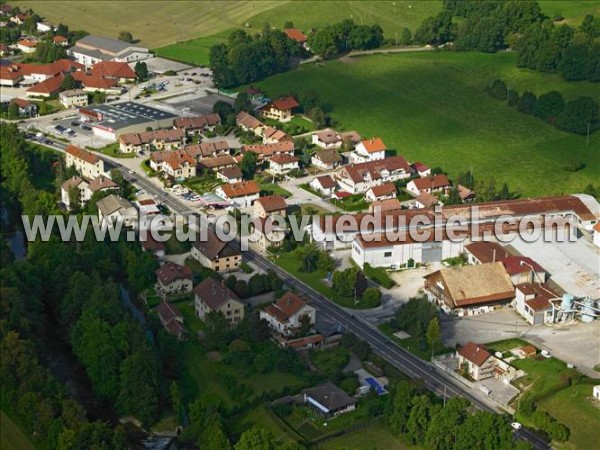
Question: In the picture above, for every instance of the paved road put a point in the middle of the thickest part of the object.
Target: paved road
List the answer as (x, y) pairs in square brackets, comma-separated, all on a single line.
[(400, 358)]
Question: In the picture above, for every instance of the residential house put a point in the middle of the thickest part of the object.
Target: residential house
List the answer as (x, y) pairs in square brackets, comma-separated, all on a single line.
[(324, 184), (92, 82), (283, 163), (476, 361), (326, 159), (426, 200), (43, 27), (242, 194), (147, 140), (214, 296), (216, 254), (288, 314), (250, 123), (328, 400), (197, 124), (326, 138), (151, 245), (230, 175), (74, 183), (114, 208), (299, 344), (273, 136), (268, 233), (217, 163), (171, 319), (19, 18), (368, 150), (25, 107), (86, 163), (381, 192), (73, 98), (467, 290), (266, 151), (207, 149), (60, 40), (466, 195), (173, 279), (420, 169), (296, 35), (384, 206), (179, 165), (271, 205), (10, 76), (94, 49), (27, 46), (429, 184), (533, 301), (357, 178), (280, 109)]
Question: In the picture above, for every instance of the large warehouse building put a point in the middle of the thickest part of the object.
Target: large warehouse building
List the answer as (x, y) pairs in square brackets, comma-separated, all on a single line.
[(111, 121)]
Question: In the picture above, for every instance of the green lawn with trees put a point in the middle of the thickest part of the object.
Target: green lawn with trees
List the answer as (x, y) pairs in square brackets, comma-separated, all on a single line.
[(432, 107)]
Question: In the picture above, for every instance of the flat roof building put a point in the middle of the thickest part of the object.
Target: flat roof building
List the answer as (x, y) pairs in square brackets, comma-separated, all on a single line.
[(111, 121)]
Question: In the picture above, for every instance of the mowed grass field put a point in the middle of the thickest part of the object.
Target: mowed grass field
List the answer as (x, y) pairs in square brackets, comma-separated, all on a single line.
[(11, 436), (432, 107)]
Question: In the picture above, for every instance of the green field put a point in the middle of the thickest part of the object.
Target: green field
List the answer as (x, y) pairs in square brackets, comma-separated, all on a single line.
[(432, 107), (572, 10), (11, 436), (372, 438), (195, 51)]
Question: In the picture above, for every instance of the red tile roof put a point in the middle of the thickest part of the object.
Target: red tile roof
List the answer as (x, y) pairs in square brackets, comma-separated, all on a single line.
[(284, 308), (214, 293), (21, 103), (49, 86), (389, 204), (384, 189), (59, 39), (231, 173), (94, 81), (419, 166), (296, 35), (272, 203), (27, 43), (283, 158), (357, 172), (266, 150), (283, 104), (241, 189), (432, 182), (475, 353), (195, 122), (519, 264), (82, 154), (326, 182), (113, 69), (248, 121), (486, 251), (427, 200)]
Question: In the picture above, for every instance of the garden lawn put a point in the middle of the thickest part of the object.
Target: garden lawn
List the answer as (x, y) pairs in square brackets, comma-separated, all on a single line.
[(413, 343), (432, 107), (263, 417), (505, 345), (114, 151), (374, 437), (275, 189), (574, 406), (195, 51), (11, 436), (572, 10), (544, 376)]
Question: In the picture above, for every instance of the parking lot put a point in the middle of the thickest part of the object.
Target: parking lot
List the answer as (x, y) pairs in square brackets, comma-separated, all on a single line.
[(77, 133), (195, 103), (576, 344)]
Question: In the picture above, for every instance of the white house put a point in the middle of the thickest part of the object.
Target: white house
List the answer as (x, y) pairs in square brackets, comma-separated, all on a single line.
[(86, 189), (357, 178), (73, 98), (429, 184), (287, 314), (420, 169), (533, 302), (426, 200), (242, 194), (283, 163), (323, 184), (328, 400), (173, 279), (43, 27), (230, 175), (381, 192), (326, 159), (213, 296), (368, 150)]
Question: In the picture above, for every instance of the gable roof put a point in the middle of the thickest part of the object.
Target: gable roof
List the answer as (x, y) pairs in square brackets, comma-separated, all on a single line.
[(328, 155), (49, 86), (283, 103), (275, 134), (113, 69), (241, 189), (248, 121), (358, 172), (296, 35), (82, 154), (389, 204), (272, 203), (486, 251), (326, 182), (374, 145), (285, 307), (113, 203), (231, 173), (383, 189), (104, 43), (206, 120), (520, 264), (71, 183), (266, 150), (419, 166), (102, 182), (475, 353), (151, 244), (328, 136), (432, 182), (480, 283), (213, 247), (170, 272), (218, 161), (283, 158), (426, 199), (214, 293)]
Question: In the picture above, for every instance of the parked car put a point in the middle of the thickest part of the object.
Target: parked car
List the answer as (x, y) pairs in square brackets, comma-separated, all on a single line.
[(516, 426), (75, 123), (546, 354), (86, 128)]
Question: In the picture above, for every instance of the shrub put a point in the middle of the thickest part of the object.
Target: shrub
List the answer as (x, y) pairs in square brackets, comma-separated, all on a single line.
[(379, 276), (371, 298)]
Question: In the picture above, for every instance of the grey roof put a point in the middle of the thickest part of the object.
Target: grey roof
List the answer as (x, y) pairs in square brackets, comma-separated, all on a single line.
[(121, 115), (330, 396), (112, 203), (88, 52), (104, 43)]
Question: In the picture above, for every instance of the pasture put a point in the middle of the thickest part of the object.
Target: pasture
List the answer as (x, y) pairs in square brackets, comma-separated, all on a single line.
[(432, 107)]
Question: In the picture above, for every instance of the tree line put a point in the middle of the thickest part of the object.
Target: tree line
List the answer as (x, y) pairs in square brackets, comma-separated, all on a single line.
[(246, 58), (579, 116), (541, 44), (343, 37)]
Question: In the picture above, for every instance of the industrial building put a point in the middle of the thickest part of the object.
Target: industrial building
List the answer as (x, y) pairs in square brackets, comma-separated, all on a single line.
[(111, 121)]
